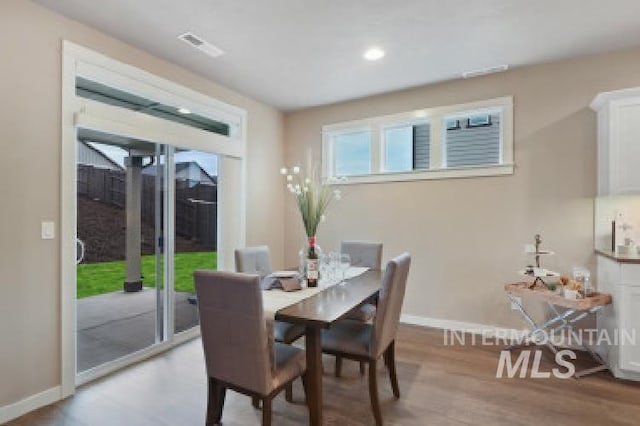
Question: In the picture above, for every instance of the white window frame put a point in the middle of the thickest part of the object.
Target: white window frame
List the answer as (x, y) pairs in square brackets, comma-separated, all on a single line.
[(383, 140), (86, 113), (437, 165), (463, 116)]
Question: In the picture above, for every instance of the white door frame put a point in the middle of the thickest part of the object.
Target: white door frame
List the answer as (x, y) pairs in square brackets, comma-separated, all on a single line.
[(80, 61)]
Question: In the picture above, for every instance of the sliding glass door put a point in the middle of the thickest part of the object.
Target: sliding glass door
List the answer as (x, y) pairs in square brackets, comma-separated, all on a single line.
[(120, 276), (141, 206), (196, 228)]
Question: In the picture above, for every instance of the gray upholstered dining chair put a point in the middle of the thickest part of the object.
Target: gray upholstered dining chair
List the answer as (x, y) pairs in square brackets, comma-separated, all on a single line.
[(365, 254), (367, 342), (239, 352), (257, 260)]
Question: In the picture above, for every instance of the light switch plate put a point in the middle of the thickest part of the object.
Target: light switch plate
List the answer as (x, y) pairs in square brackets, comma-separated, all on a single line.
[(48, 230)]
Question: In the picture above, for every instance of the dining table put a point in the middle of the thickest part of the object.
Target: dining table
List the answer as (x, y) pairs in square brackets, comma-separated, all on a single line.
[(320, 311)]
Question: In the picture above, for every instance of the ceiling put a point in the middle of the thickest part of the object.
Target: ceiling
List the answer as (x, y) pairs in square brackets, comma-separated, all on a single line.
[(299, 53)]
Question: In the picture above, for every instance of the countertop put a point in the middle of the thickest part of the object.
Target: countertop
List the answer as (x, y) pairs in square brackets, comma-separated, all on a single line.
[(632, 257)]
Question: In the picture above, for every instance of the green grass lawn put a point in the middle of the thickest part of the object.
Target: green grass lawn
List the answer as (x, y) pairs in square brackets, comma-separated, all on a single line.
[(107, 277)]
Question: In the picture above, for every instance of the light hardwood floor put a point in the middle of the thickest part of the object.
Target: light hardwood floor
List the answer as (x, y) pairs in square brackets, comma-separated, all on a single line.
[(439, 385)]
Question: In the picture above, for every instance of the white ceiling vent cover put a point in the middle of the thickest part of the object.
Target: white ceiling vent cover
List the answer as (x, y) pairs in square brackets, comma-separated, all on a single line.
[(484, 71), (201, 44)]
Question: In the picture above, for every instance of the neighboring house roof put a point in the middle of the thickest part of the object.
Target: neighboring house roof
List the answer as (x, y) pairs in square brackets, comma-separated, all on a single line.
[(183, 168), (91, 156)]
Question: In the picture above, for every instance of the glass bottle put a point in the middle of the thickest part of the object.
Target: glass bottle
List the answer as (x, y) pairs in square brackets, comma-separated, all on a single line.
[(312, 270)]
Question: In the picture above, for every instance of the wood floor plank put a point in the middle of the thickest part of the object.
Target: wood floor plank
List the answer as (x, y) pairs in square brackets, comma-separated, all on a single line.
[(439, 384)]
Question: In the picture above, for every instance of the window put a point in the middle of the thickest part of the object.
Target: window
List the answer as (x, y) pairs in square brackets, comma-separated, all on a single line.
[(108, 95), (476, 144), (466, 140), (479, 120), (452, 124), (352, 153), (406, 147)]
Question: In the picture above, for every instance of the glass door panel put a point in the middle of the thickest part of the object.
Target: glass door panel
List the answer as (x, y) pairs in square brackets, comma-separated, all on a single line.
[(196, 223), (120, 272)]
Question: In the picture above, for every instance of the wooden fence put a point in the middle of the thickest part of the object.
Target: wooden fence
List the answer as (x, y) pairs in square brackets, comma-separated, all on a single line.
[(196, 204)]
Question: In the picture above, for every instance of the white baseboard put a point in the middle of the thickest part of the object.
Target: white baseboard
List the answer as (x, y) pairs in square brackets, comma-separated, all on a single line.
[(467, 327), (33, 402), (488, 331)]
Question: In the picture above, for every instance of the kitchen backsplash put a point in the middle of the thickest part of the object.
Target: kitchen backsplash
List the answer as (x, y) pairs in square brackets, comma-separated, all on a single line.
[(623, 208)]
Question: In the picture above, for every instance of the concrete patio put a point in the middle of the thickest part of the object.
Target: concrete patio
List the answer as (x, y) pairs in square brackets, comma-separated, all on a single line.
[(116, 324)]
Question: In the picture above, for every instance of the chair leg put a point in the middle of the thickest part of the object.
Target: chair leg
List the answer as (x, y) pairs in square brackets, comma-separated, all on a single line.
[(223, 394), (304, 386), (362, 368), (390, 356), (215, 403), (288, 392), (255, 401), (373, 392), (266, 412), (338, 365)]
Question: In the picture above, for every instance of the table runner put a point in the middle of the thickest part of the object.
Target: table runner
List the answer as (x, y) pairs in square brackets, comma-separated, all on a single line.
[(275, 299)]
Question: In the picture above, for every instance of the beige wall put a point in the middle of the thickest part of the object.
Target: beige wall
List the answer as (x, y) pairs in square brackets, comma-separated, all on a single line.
[(30, 126), (467, 235)]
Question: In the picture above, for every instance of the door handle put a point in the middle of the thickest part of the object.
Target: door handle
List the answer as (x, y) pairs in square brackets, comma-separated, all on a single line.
[(79, 256)]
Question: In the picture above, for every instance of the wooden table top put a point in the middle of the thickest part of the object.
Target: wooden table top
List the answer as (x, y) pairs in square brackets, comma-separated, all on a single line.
[(331, 304), (522, 289)]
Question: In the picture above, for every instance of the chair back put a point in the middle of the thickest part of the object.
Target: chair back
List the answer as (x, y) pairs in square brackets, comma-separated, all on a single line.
[(394, 282), (363, 253), (253, 260), (234, 330)]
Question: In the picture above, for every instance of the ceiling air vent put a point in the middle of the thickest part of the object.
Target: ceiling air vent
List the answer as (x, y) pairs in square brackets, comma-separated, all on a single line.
[(484, 71), (201, 44)]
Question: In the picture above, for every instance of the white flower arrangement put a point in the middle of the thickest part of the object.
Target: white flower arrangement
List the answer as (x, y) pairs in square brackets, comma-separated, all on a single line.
[(313, 195)]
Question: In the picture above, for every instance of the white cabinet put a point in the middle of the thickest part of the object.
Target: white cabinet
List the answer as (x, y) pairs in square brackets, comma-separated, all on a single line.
[(618, 141), (620, 321), (630, 328)]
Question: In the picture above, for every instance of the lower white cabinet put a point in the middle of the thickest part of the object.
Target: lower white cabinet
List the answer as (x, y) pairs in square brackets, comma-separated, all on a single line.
[(629, 302), (621, 320)]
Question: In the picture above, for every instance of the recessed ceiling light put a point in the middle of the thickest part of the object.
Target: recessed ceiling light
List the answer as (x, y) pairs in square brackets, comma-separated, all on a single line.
[(183, 110), (373, 54)]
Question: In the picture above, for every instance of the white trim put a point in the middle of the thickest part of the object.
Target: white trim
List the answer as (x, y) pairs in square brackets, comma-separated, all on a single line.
[(96, 115), (106, 70), (452, 173), (30, 403), (467, 327), (77, 60), (68, 228), (437, 165), (605, 97)]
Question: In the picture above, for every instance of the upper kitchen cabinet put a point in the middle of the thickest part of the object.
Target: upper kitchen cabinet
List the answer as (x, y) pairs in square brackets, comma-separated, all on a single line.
[(618, 141)]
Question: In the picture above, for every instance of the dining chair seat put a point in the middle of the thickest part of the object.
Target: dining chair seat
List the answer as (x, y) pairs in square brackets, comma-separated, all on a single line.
[(364, 313), (290, 362), (353, 337), (286, 332)]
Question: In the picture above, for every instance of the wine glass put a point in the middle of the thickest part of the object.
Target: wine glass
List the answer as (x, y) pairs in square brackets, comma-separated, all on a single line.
[(324, 267), (334, 265), (345, 263)]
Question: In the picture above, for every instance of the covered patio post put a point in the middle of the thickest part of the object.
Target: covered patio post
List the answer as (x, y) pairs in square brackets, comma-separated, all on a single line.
[(133, 207)]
